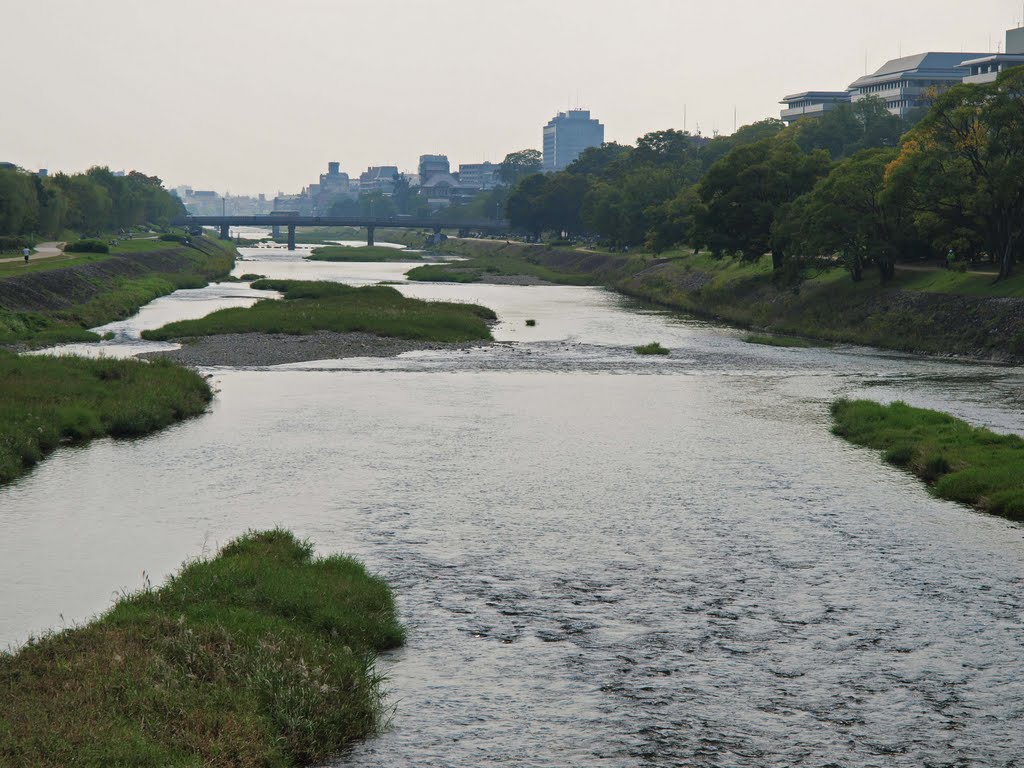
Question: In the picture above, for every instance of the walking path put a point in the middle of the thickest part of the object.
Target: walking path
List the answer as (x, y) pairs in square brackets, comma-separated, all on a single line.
[(43, 251)]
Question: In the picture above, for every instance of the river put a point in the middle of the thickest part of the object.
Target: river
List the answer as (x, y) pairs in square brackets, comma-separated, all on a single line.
[(602, 558)]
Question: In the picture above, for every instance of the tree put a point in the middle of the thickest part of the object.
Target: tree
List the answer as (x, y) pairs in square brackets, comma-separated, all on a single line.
[(848, 213), (962, 166), (518, 165), (19, 207), (744, 191), (849, 128), (526, 207)]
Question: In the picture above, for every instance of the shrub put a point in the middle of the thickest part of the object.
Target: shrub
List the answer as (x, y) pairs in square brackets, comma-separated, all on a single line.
[(654, 348), (89, 245)]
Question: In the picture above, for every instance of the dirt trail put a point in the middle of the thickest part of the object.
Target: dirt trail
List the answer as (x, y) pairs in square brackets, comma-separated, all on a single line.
[(43, 251)]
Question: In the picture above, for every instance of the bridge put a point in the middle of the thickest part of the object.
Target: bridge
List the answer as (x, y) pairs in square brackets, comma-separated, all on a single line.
[(274, 222)]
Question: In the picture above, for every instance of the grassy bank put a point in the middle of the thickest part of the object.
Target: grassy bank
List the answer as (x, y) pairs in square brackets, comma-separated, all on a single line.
[(325, 306), (961, 463), (58, 302), (781, 341), (53, 401), (364, 253), (262, 656), (921, 310)]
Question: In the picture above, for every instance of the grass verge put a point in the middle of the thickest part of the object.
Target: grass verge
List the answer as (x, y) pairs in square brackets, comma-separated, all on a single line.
[(962, 463), (53, 401), (262, 656), (327, 306)]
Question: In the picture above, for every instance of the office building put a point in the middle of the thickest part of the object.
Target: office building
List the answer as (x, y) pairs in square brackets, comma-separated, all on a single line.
[(987, 68), (909, 82), (811, 104), (567, 135)]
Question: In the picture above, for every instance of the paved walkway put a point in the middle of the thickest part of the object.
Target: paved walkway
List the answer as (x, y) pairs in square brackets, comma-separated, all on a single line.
[(43, 251)]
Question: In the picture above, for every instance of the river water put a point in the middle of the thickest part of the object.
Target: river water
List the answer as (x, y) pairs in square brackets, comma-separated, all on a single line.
[(602, 559)]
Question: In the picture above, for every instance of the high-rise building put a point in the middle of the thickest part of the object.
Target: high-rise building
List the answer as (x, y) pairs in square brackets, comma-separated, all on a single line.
[(432, 165), (567, 135)]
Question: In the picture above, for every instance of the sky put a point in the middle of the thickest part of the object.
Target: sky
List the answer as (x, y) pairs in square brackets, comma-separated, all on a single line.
[(249, 96)]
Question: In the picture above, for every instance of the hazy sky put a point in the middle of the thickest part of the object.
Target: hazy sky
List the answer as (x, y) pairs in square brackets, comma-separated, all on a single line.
[(257, 95)]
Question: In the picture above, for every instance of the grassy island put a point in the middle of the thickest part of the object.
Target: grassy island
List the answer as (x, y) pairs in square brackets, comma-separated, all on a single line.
[(262, 656), (53, 401), (962, 463), (311, 306), (362, 253)]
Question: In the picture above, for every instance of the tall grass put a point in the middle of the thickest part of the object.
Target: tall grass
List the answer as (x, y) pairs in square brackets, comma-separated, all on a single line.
[(326, 306), (262, 656), (962, 463), (50, 401)]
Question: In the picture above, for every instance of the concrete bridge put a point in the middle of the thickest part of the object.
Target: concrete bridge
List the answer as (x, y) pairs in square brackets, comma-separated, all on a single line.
[(274, 222)]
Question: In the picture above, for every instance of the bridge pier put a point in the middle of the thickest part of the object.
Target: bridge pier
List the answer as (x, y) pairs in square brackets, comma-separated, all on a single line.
[(291, 237), (275, 231), (369, 234), (225, 232), (437, 236)]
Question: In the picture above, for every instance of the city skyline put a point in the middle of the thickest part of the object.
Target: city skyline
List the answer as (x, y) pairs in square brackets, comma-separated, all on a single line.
[(245, 98)]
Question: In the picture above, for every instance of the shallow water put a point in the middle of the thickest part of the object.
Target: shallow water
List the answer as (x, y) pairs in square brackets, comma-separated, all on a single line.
[(602, 559)]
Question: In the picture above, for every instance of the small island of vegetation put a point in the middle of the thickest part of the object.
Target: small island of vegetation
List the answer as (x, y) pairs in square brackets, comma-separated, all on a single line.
[(261, 656), (362, 253), (311, 306), (962, 463), (52, 401)]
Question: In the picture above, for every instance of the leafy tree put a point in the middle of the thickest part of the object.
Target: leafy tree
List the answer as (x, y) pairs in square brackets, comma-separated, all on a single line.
[(673, 221), (518, 165), (19, 207), (604, 162), (850, 128), (744, 192), (962, 166), (720, 146), (526, 205), (847, 213)]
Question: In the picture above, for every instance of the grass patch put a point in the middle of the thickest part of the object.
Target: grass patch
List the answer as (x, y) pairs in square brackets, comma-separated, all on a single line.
[(327, 306), (654, 348), (364, 253), (531, 323), (781, 341), (962, 463), (262, 656), (445, 273), (52, 401)]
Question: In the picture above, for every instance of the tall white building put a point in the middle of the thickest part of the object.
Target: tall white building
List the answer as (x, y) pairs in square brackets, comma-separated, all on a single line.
[(567, 135)]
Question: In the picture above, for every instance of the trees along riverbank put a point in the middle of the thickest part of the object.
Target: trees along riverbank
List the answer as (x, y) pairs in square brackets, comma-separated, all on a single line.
[(261, 656)]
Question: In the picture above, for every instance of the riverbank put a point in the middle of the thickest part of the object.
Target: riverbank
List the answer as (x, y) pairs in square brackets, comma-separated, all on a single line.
[(960, 462), (261, 656), (311, 308), (930, 311), (52, 401), (52, 303)]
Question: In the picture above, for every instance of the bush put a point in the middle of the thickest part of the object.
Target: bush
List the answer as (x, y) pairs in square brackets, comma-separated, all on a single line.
[(89, 245), (172, 238), (654, 348), (13, 243)]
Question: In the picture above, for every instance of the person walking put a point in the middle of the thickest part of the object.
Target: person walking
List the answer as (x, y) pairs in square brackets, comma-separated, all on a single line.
[(25, 252)]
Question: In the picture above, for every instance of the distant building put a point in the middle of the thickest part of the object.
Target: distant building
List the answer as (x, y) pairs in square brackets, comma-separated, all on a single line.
[(335, 182), (987, 68), (907, 83), (811, 104), (567, 135), (431, 165), (479, 176), (378, 178), (443, 189)]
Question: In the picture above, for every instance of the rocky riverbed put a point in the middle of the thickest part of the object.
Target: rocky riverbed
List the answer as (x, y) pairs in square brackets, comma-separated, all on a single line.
[(262, 349)]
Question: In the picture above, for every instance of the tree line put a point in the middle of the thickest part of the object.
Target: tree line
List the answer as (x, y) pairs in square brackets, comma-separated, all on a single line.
[(857, 186), (89, 203)]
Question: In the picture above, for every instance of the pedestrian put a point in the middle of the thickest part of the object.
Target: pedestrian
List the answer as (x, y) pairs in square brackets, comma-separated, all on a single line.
[(25, 252)]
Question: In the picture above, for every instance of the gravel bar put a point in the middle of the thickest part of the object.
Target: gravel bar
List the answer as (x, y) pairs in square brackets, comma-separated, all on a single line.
[(260, 349)]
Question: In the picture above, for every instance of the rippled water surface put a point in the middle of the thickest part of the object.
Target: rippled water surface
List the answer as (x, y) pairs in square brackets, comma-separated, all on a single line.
[(602, 559)]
